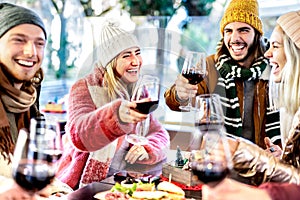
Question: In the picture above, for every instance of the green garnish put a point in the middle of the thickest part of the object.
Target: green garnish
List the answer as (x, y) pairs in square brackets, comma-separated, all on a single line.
[(125, 190)]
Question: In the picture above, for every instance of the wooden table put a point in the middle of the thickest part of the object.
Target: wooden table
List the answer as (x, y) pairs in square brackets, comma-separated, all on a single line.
[(88, 192)]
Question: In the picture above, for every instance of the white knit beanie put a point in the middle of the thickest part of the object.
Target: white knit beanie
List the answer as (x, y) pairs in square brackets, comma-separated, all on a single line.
[(114, 40), (290, 24)]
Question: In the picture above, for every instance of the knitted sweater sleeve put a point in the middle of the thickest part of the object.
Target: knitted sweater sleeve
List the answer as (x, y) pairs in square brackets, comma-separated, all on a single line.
[(92, 128)]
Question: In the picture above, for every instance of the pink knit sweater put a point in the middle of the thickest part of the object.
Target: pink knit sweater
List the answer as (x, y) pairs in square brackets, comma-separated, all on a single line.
[(91, 127)]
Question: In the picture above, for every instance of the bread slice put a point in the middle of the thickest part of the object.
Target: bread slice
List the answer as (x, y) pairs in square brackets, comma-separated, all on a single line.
[(149, 194), (170, 188)]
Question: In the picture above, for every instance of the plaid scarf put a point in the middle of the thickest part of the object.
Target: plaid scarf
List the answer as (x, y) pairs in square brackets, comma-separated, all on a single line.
[(228, 74)]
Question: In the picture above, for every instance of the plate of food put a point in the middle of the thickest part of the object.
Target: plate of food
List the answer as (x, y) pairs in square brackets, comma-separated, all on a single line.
[(131, 177), (163, 191)]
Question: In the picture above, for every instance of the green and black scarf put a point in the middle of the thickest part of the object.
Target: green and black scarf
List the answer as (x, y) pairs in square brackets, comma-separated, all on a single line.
[(228, 73)]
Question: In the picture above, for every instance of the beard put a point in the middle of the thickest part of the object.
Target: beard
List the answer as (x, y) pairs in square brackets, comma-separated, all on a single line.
[(249, 53)]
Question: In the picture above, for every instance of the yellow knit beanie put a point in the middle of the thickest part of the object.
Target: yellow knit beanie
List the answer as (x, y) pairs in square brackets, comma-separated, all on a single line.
[(242, 11), (290, 23)]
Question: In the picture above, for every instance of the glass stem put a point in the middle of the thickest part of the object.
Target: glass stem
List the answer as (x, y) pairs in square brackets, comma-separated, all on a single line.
[(139, 128), (143, 128), (190, 100)]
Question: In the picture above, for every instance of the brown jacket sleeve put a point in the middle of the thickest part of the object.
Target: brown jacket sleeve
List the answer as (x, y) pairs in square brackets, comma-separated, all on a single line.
[(170, 97)]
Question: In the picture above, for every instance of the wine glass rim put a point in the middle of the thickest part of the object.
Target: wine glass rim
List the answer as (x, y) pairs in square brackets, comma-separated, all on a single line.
[(209, 95), (196, 52), (143, 76)]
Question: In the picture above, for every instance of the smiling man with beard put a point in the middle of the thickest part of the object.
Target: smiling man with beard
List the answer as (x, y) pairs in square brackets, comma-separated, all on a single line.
[(22, 43), (238, 72)]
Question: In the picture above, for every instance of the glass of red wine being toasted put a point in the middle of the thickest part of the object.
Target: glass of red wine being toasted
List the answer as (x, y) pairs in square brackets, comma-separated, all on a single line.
[(212, 162), (146, 96), (194, 69), (35, 156)]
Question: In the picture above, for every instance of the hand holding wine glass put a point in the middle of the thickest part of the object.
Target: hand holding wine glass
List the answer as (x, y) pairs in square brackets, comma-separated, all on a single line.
[(194, 69), (212, 162), (35, 156), (146, 97)]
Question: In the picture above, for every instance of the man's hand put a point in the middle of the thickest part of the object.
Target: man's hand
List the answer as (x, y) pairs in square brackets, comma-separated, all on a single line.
[(184, 89)]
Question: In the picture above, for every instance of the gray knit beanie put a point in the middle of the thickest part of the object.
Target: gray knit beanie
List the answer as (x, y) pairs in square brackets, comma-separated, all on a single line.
[(12, 15), (114, 40)]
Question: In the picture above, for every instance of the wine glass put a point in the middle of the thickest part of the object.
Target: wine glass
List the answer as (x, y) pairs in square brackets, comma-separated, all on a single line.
[(194, 69), (212, 162), (35, 155), (146, 96)]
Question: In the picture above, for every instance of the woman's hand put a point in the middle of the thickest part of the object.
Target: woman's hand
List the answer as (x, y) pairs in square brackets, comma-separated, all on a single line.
[(127, 114), (183, 88), (275, 150), (136, 152)]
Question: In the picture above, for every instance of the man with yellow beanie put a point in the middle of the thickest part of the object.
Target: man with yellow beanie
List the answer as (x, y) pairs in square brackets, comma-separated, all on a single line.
[(281, 177), (238, 72)]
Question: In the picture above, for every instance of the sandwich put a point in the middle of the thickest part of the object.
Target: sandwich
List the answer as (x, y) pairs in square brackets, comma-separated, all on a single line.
[(173, 191), (165, 191), (143, 195)]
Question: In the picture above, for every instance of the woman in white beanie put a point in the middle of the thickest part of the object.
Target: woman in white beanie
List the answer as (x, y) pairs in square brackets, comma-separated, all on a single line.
[(284, 56), (100, 114)]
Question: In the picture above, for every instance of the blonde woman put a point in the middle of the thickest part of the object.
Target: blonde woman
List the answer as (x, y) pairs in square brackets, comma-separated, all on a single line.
[(100, 114)]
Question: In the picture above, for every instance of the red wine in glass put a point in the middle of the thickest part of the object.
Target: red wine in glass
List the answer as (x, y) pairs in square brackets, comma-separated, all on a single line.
[(33, 177), (146, 95), (193, 69), (209, 167), (146, 107), (209, 172), (35, 155), (211, 163), (194, 77)]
